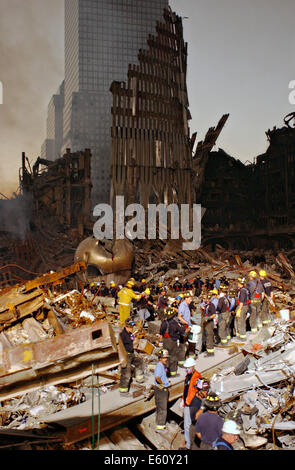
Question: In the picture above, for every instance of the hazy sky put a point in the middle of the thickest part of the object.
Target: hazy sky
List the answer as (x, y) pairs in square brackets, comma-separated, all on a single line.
[(240, 61)]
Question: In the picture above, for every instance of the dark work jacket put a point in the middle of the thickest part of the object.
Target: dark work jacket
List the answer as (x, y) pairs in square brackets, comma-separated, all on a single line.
[(223, 305), (172, 328), (243, 296), (267, 287), (127, 341)]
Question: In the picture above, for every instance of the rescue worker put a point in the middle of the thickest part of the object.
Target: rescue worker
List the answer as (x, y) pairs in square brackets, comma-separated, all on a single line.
[(177, 301), (94, 287), (162, 304), (127, 336), (223, 316), (142, 306), (232, 310), (113, 290), (189, 393), (171, 332), (184, 317), (142, 286), (255, 289), (242, 309), (209, 424), (159, 288), (177, 286), (187, 285), (209, 316), (125, 296), (230, 434), (267, 298), (103, 290), (161, 385), (198, 284)]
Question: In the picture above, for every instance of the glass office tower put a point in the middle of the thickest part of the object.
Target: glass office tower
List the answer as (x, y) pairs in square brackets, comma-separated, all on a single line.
[(101, 38)]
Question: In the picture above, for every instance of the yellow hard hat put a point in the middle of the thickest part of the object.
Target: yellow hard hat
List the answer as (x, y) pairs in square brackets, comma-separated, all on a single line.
[(143, 280), (113, 284), (181, 295), (92, 284), (147, 291), (253, 273), (262, 273), (213, 291), (160, 284), (130, 283)]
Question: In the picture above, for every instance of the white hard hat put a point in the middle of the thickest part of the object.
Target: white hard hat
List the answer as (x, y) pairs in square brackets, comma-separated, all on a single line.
[(190, 362), (176, 279), (230, 427)]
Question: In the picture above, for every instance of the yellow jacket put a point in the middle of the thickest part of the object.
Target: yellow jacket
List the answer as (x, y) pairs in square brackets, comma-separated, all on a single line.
[(125, 295)]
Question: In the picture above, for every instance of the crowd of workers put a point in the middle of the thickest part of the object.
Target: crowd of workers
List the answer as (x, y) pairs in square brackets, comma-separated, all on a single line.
[(226, 309)]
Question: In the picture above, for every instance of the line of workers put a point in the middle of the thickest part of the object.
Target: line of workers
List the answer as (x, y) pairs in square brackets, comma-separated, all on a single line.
[(226, 309)]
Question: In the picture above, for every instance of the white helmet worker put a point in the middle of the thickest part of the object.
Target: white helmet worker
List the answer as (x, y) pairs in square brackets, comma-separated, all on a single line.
[(190, 362), (230, 427)]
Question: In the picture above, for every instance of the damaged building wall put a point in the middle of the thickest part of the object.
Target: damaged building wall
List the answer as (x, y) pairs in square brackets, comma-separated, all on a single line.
[(60, 190), (151, 149), (250, 205)]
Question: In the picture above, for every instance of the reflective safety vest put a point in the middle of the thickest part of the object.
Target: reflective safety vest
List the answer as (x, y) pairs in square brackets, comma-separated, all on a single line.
[(192, 389)]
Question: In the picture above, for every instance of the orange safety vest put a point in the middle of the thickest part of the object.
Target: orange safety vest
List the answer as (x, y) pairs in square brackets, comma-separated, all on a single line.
[(191, 389)]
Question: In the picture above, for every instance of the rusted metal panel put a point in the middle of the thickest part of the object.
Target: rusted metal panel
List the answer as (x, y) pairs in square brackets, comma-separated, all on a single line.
[(58, 359), (55, 277)]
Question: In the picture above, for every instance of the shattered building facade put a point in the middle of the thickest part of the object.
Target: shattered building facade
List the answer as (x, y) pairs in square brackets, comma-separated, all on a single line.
[(251, 205), (60, 190), (151, 153)]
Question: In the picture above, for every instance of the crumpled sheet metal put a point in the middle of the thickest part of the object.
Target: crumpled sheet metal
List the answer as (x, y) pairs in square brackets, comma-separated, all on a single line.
[(94, 254), (267, 370)]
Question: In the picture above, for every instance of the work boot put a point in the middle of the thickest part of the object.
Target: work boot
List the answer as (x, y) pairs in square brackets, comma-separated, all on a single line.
[(251, 440)]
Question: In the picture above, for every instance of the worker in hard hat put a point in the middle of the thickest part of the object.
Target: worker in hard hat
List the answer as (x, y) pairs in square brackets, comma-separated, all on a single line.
[(125, 296), (189, 397), (209, 424), (113, 290), (162, 304), (159, 288), (184, 318), (132, 359), (161, 390), (229, 435), (243, 302), (255, 289), (143, 285), (177, 286), (267, 297), (223, 315), (171, 332), (198, 284), (142, 306), (209, 321)]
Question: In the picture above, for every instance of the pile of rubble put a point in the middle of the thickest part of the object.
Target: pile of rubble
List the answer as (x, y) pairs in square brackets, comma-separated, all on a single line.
[(42, 317), (259, 392)]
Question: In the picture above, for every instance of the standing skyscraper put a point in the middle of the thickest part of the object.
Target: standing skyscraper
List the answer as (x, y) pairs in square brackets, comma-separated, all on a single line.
[(101, 38)]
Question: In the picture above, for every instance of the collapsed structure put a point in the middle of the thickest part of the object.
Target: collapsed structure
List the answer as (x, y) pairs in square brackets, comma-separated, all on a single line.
[(55, 337)]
